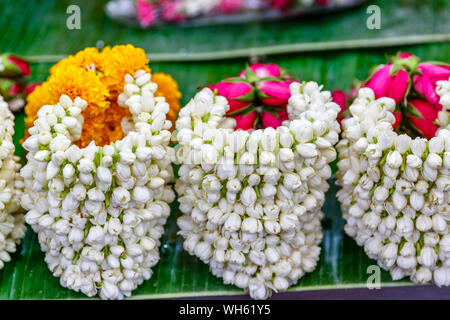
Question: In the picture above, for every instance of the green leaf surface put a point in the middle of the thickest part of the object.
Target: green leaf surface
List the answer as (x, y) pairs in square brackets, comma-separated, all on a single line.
[(38, 28), (342, 264)]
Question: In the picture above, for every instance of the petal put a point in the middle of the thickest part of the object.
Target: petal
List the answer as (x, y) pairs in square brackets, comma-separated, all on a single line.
[(424, 86), (270, 120), (399, 85), (380, 81), (245, 122), (274, 93)]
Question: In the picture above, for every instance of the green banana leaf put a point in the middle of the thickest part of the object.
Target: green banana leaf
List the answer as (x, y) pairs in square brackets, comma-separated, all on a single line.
[(342, 264), (37, 29)]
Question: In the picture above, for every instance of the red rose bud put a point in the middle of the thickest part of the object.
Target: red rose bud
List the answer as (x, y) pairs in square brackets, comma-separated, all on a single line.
[(425, 83), (422, 116), (274, 93), (245, 121), (322, 2), (399, 86), (16, 88), (344, 99), (280, 4), (340, 97), (12, 66), (10, 88), (240, 94), (30, 88), (405, 55), (230, 6), (398, 119), (385, 84), (262, 70), (275, 119)]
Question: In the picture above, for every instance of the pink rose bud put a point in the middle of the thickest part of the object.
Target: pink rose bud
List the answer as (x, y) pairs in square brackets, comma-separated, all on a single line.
[(274, 119), (240, 94), (280, 4), (274, 93), (245, 121), (425, 83), (30, 88), (399, 86), (340, 97), (12, 66), (146, 13), (343, 99), (322, 2), (262, 70), (405, 55), (384, 84), (230, 6), (398, 119), (421, 116), (9, 89), (172, 11)]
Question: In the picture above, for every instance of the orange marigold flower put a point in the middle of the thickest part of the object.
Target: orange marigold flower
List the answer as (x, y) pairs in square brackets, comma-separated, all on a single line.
[(89, 59), (99, 77), (118, 61), (74, 82)]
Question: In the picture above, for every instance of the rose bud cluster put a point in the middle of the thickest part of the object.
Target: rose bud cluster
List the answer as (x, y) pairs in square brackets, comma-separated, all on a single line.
[(12, 225), (13, 81), (100, 211), (413, 86), (423, 111), (251, 200), (257, 97), (395, 194)]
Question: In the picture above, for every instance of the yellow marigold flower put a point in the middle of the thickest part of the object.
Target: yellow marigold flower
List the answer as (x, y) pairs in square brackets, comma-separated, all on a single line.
[(89, 59), (117, 62), (74, 82), (98, 77), (168, 88)]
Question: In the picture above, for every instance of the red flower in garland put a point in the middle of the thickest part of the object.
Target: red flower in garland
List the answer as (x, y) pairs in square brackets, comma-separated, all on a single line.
[(422, 116), (13, 66), (240, 95), (258, 86)]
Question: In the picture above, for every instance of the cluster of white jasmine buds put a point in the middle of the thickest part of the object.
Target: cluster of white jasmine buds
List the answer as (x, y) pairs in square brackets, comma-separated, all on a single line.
[(12, 226), (100, 211), (443, 90), (395, 192), (251, 201)]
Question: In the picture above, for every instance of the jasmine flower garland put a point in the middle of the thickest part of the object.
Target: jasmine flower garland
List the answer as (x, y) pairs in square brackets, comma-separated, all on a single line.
[(251, 200), (100, 211), (12, 226), (396, 190)]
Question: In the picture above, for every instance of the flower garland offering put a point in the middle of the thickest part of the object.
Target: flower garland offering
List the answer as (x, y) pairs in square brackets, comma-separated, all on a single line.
[(100, 211), (98, 78), (395, 174), (12, 226), (149, 13), (251, 199)]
